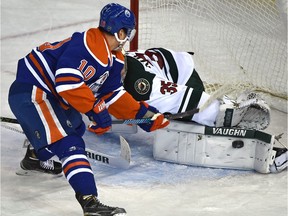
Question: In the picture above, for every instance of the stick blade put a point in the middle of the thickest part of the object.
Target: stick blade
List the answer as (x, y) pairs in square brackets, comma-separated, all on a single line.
[(125, 150), (121, 161)]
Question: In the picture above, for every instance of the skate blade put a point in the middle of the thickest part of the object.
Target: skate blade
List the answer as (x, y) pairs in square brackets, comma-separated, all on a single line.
[(22, 172), (120, 214), (117, 214)]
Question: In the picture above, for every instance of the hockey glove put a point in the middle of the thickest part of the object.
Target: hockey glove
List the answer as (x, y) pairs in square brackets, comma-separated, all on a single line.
[(157, 119), (249, 111), (99, 115)]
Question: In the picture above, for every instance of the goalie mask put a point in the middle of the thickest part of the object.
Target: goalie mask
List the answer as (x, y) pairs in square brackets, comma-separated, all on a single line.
[(114, 17)]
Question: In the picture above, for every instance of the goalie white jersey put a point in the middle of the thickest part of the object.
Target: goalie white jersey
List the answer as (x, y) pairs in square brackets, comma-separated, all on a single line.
[(166, 64), (168, 80)]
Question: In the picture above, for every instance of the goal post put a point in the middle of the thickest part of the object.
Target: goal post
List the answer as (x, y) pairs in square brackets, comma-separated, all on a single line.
[(233, 41), (134, 6)]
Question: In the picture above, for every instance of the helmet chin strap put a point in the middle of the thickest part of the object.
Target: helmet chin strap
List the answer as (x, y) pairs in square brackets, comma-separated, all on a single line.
[(121, 42)]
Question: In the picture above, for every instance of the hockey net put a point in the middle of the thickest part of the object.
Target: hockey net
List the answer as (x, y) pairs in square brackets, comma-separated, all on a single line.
[(234, 41)]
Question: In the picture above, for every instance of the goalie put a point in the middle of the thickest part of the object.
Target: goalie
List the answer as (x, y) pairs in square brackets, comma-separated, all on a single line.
[(168, 81)]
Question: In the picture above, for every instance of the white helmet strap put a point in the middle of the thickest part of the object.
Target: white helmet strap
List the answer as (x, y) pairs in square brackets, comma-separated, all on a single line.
[(121, 42), (129, 37), (118, 39)]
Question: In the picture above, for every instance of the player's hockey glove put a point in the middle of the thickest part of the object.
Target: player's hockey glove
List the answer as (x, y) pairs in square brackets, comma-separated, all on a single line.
[(99, 115), (157, 119)]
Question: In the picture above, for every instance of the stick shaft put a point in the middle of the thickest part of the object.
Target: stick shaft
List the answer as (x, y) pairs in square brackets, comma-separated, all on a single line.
[(127, 121)]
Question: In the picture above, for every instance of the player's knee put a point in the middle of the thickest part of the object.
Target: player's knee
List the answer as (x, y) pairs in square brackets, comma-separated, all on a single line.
[(69, 145)]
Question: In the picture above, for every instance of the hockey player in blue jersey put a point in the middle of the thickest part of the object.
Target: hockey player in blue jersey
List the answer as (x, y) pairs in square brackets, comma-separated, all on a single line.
[(56, 82)]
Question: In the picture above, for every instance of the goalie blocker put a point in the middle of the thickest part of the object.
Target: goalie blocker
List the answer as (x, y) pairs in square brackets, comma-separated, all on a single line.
[(193, 144)]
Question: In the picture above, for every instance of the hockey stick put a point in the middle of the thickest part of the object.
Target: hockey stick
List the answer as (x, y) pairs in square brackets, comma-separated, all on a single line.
[(225, 89), (127, 121), (219, 93), (147, 120), (122, 162), (9, 120)]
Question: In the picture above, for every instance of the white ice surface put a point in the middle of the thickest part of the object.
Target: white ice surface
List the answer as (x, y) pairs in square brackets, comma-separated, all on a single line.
[(148, 187)]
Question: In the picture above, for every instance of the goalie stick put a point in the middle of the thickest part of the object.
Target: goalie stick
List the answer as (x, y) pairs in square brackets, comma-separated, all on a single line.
[(122, 162)]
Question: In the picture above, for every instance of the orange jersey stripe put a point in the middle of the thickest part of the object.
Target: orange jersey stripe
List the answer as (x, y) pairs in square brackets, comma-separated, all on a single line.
[(75, 164), (119, 55), (55, 134), (38, 66), (47, 45), (61, 79), (126, 107), (82, 98), (107, 96), (97, 44)]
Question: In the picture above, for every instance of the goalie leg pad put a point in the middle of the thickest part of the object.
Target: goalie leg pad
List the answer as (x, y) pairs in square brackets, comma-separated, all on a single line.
[(193, 144)]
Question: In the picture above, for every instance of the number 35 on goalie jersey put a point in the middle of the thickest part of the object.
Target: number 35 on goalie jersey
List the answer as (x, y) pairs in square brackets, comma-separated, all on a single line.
[(164, 78)]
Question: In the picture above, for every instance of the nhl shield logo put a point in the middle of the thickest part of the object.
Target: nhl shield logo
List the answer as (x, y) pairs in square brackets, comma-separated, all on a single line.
[(142, 86)]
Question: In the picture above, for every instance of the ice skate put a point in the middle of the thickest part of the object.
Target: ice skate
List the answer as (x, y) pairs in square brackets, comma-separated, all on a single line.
[(31, 164), (280, 162), (92, 206)]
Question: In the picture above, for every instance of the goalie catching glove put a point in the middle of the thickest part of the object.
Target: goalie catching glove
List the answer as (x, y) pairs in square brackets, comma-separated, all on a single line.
[(157, 119), (100, 117), (249, 111)]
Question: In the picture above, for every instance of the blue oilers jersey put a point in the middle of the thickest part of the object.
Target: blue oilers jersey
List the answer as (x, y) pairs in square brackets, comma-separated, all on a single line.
[(78, 68)]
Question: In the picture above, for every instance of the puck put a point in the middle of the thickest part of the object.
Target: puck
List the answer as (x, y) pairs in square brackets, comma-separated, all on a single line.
[(237, 144)]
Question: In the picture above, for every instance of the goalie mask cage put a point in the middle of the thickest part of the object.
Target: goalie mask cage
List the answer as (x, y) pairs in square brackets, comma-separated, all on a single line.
[(234, 41)]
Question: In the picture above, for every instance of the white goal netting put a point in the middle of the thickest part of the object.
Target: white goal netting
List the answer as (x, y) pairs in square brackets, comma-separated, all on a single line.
[(234, 41)]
